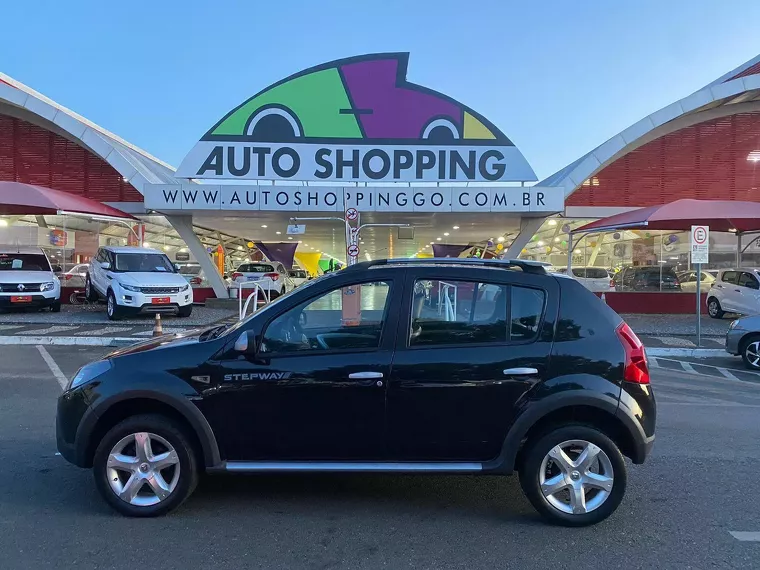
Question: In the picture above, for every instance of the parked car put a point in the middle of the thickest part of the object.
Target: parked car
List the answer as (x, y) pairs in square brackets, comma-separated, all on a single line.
[(299, 276), (27, 279), (654, 278), (340, 376), (688, 280), (272, 277), (734, 291), (75, 277), (743, 339), (592, 278), (136, 280), (192, 273)]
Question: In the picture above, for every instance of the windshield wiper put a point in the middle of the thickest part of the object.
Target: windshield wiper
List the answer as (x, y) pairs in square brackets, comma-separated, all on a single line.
[(212, 333)]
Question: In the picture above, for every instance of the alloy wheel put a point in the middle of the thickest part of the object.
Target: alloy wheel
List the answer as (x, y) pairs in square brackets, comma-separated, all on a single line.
[(752, 353), (143, 469), (712, 308), (576, 477), (110, 306)]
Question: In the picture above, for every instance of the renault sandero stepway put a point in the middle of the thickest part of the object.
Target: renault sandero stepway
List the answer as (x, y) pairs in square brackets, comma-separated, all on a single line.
[(136, 280), (413, 366)]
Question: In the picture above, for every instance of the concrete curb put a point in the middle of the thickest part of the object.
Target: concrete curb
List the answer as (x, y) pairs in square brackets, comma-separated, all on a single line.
[(68, 340), (689, 352)]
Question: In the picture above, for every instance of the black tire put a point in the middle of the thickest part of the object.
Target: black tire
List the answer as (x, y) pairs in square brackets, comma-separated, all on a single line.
[(176, 436), (714, 309), (89, 291), (533, 456), (185, 311), (55, 307), (113, 310), (749, 361)]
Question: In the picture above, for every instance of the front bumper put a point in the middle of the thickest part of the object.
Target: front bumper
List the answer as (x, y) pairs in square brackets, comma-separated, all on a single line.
[(72, 408), (38, 300), (733, 340), (144, 303)]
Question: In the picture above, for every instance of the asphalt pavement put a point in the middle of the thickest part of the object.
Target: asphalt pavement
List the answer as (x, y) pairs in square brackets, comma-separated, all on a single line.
[(681, 508)]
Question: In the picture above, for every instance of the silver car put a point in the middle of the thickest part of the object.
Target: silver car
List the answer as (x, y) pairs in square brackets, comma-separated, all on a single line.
[(743, 339)]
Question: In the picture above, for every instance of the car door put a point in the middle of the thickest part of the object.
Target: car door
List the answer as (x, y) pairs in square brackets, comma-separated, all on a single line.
[(315, 389), (688, 281), (96, 273), (750, 293), (730, 294), (470, 344)]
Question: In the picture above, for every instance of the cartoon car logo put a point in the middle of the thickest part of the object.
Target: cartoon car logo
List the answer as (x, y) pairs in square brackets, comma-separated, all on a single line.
[(359, 99)]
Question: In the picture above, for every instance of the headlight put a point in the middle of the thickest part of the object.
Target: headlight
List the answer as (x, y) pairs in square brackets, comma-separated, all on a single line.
[(89, 372), (49, 286), (130, 287), (184, 288)]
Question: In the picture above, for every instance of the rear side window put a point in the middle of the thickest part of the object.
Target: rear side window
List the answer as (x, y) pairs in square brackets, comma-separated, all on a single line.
[(730, 277), (467, 312)]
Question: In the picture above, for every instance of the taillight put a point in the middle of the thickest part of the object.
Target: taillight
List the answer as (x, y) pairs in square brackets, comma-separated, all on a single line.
[(612, 283), (272, 276), (236, 275), (195, 281), (636, 367)]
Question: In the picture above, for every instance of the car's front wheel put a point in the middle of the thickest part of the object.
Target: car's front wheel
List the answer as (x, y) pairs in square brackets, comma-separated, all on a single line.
[(751, 352), (145, 466), (113, 310), (185, 311), (55, 307), (573, 476), (714, 309), (89, 291)]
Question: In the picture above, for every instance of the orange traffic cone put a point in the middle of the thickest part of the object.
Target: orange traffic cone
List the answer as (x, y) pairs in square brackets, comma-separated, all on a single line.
[(157, 329)]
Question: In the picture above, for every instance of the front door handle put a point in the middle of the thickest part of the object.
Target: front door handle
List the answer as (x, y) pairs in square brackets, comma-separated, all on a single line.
[(520, 371), (365, 375)]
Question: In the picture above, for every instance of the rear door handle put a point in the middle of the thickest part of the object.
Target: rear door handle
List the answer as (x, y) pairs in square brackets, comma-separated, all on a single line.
[(365, 375), (520, 371)]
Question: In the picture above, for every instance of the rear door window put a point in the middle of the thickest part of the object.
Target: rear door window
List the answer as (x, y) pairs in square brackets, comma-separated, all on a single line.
[(730, 277)]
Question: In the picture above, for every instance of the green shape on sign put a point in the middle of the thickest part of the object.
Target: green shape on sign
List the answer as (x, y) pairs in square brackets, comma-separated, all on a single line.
[(315, 99)]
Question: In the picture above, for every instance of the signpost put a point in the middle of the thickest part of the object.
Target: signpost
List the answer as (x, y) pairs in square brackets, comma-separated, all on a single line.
[(353, 253), (700, 246), (352, 214), (296, 229)]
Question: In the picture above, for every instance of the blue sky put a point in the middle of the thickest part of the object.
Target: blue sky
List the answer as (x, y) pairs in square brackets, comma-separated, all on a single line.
[(558, 77)]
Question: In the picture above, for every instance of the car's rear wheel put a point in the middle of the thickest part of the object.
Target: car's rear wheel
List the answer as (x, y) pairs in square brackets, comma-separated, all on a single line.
[(574, 475), (145, 466), (89, 291), (714, 309), (750, 352)]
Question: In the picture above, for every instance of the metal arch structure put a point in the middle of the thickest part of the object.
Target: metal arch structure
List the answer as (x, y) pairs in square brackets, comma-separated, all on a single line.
[(736, 92)]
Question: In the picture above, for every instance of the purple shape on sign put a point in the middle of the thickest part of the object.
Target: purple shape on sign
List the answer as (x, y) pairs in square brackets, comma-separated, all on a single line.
[(446, 250), (396, 112), (281, 252)]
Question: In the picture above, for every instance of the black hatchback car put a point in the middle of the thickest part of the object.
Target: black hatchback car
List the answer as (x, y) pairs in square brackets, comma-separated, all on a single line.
[(652, 278), (414, 366)]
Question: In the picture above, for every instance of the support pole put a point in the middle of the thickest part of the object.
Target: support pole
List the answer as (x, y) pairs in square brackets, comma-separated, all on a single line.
[(699, 305), (738, 250), (184, 227), (528, 227), (570, 254)]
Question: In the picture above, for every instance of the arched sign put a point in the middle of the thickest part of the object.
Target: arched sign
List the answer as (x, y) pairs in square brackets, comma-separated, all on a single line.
[(355, 120)]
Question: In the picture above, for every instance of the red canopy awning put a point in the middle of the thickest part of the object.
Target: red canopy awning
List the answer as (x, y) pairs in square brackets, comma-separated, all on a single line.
[(18, 199), (720, 215)]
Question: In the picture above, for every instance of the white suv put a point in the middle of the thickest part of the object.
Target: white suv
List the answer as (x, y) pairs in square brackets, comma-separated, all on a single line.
[(592, 278), (27, 279), (137, 280), (735, 291), (272, 277)]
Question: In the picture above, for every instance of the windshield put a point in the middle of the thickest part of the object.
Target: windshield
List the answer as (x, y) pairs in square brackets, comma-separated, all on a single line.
[(256, 269), (189, 269), (143, 262), (23, 262), (298, 274)]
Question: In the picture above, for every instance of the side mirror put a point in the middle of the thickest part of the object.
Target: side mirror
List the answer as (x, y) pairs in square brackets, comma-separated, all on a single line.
[(57, 269), (246, 343), (105, 265), (176, 267)]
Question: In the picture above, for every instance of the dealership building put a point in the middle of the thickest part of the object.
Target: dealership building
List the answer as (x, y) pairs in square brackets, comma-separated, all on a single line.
[(356, 134)]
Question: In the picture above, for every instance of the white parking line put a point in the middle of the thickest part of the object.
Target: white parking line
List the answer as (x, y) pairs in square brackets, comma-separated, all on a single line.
[(727, 373), (104, 331), (688, 368), (54, 368), (49, 330), (10, 327), (745, 536)]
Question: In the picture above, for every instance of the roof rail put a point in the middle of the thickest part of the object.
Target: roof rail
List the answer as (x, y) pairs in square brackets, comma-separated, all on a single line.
[(538, 267)]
